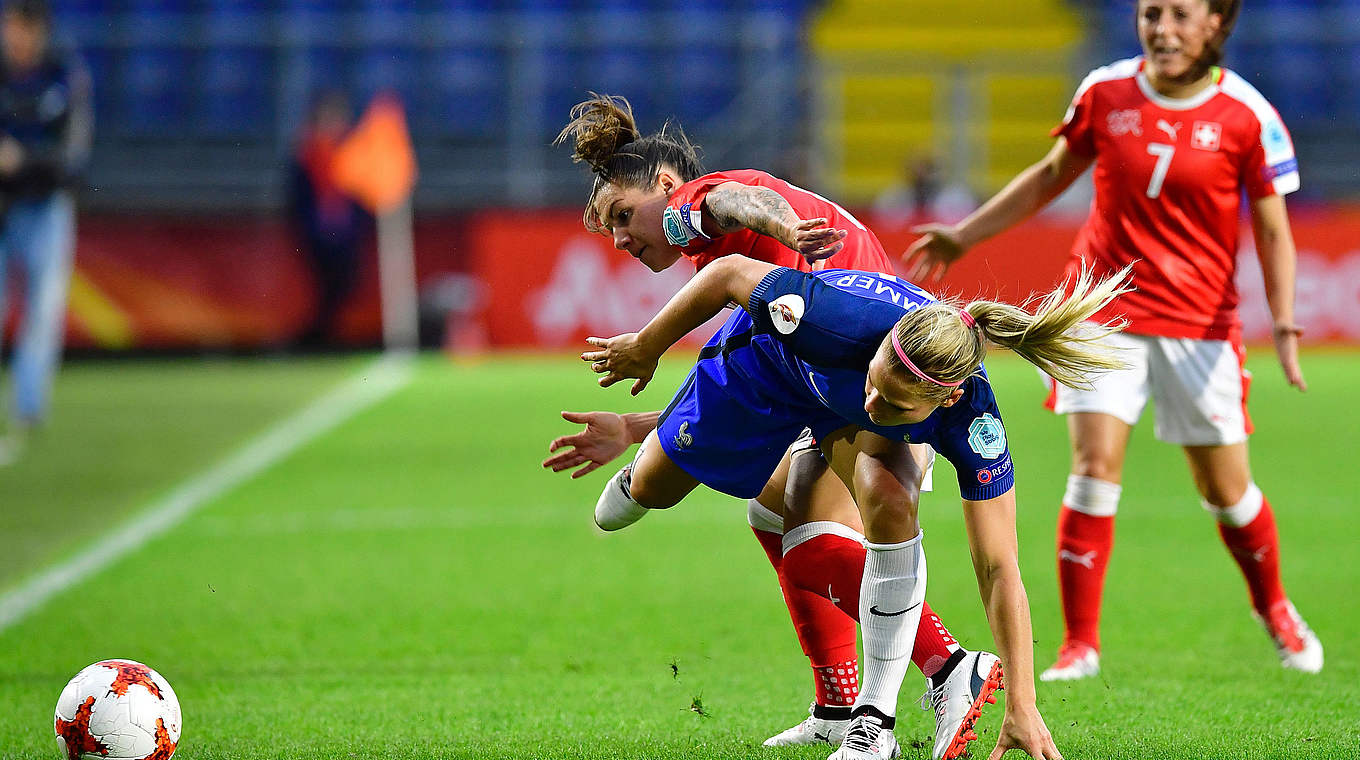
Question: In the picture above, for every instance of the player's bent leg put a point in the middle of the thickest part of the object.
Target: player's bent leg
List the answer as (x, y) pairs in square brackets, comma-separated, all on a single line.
[(651, 481), (826, 633), (1246, 524), (885, 479)]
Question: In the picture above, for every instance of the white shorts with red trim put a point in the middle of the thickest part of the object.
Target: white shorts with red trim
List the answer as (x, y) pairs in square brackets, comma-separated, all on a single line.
[(1199, 389)]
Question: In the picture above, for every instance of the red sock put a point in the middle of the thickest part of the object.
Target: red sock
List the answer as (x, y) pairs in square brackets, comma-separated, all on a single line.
[(833, 566), (838, 685), (825, 633), (1256, 547), (1084, 544)]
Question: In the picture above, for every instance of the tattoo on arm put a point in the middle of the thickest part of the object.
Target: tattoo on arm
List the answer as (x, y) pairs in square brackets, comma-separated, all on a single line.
[(756, 208)]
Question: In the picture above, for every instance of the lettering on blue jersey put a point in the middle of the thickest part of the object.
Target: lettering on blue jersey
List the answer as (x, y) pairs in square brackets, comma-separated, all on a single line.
[(878, 284), (986, 437), (786, 312), (683, 439), (988, 474)]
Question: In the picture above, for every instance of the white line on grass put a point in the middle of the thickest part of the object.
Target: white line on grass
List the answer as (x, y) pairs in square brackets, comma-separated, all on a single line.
[(372, 384)]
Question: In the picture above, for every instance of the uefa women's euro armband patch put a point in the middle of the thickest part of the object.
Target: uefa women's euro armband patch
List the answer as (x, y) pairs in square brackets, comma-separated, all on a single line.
[(786, 312), (987, 437), (681, 225)]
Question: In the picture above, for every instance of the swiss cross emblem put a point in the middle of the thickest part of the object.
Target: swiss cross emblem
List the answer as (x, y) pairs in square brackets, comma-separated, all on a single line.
[(1205, 135)]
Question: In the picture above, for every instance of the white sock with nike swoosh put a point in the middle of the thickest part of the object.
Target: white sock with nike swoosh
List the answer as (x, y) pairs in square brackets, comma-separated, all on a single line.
[(890, 598)]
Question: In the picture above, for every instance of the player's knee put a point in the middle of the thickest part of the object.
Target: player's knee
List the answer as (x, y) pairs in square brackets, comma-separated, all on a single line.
[(651, 495), (886, 508), (1097, 465)]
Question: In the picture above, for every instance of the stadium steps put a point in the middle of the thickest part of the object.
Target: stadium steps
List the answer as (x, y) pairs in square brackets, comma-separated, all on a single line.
[(889, 80)]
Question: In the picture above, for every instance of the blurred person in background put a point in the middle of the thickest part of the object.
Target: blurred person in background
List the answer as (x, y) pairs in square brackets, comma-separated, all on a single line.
[(46, 124), (1175, 140), (653, 198), (920, 193), (328, 223)]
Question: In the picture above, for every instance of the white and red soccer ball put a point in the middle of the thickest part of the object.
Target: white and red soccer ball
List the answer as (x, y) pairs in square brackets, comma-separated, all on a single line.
[(118, 710)]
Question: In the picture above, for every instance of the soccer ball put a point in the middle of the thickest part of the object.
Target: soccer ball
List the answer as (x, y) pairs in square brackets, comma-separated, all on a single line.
[(117, 710)]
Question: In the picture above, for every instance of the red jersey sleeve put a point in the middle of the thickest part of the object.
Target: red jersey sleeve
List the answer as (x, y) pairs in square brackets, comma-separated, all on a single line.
[(683, 223), (1076, 124)]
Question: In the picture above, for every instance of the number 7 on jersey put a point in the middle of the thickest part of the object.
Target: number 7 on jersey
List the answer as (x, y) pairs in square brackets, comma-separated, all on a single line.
[(1163, 152)]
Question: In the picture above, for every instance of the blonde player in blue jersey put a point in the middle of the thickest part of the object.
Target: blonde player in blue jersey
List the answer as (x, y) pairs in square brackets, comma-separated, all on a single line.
[(869, 363)]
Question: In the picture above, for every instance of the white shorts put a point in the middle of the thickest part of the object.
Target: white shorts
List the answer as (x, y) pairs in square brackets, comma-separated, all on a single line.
[(1199, 389)]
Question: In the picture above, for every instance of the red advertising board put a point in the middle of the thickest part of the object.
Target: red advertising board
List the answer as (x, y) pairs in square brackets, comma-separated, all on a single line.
[(513, 279), (550, 283)]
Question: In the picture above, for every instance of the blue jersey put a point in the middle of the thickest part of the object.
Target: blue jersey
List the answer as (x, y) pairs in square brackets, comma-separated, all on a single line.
[(799, 357)]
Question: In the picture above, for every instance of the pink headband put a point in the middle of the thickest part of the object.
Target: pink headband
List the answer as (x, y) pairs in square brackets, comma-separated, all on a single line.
[(897, 346)]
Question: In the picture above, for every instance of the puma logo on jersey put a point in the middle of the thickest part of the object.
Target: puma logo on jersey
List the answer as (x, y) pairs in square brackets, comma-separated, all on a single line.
[(1086, 560), (1163, 125)]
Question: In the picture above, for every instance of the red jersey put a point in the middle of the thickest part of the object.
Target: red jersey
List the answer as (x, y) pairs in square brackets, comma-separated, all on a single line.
[(1169, 176), (682, 221)]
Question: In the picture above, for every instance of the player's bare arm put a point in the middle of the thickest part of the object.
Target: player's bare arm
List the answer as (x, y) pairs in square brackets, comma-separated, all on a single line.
[(635, 355), (733, 206), (940, 245), (993, 545), (1275, 248), (605, 437)]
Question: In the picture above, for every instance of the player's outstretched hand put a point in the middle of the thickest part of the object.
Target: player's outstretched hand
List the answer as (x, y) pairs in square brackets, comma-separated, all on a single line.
[(620, 358), (816, 241), (603, 440), (1025, 730), (1287, 348), (933, 253)]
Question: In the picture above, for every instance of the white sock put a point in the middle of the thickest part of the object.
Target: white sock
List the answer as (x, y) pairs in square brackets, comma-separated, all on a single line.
[(616, 508), (764, 519), (890, 598)]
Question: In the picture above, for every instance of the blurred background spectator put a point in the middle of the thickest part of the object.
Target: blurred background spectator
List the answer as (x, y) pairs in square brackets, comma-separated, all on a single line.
[(44, 143), (329, 225), (922, 194)]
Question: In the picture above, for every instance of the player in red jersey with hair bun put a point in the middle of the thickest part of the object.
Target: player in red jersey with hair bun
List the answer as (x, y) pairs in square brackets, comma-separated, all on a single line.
[(1175, 140), (653, 198)]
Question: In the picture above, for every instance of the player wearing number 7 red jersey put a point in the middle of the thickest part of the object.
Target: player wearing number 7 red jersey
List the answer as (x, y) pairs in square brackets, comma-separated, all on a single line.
[(1175, 141)]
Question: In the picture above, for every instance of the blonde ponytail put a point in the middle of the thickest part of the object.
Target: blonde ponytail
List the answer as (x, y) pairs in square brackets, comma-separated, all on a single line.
[(945, 349)]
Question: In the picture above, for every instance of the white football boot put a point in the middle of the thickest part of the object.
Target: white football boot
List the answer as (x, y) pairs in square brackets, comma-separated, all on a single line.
[(1295, 642), (959, 700), (616, 509), (1075, 661), (812, 730), (867, 739)]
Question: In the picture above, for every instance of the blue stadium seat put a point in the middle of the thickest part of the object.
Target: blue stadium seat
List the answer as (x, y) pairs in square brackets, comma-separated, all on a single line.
[(704, 83), (1346, 82), (465, 95), (1295, 81), (381, 68), (234, 92), (632, 72), (152, 97)]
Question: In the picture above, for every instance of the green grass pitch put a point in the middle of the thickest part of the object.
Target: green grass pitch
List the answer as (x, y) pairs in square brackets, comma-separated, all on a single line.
[(412, 585)]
